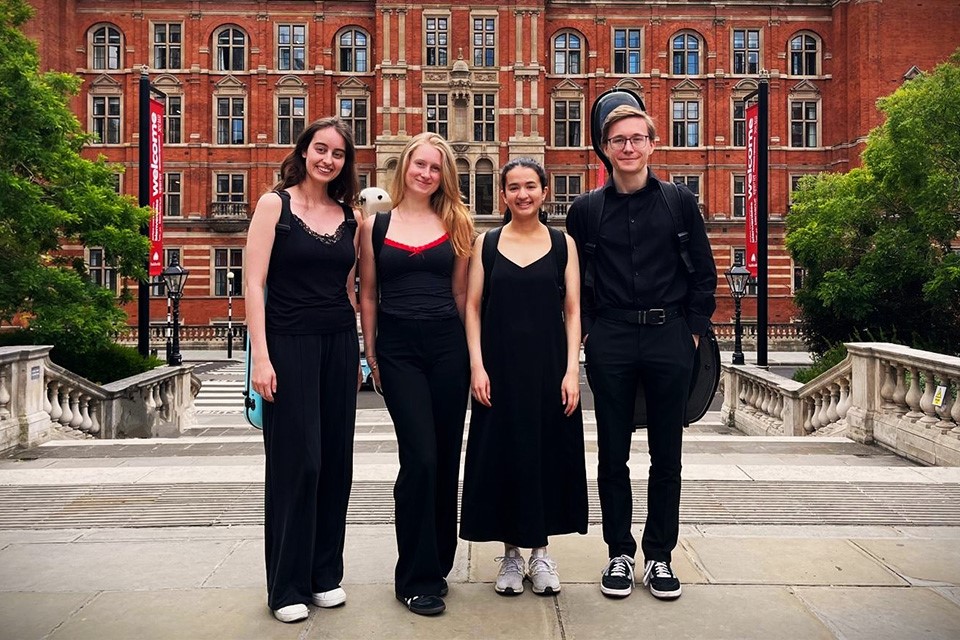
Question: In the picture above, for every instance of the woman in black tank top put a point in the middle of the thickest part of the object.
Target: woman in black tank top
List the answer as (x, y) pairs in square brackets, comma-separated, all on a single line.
[(413, 287), (301, 316)]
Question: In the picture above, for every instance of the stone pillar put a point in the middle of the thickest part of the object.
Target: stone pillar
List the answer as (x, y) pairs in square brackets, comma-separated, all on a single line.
[(23, 421), (865, 381)]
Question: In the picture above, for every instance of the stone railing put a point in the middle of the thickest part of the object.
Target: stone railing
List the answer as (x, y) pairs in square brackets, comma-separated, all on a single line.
[(40, 400), (197, 336), (901, 398)]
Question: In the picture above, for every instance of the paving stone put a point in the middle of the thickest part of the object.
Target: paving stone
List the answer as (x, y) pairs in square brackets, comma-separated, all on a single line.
[(31, 616), (919, 560)]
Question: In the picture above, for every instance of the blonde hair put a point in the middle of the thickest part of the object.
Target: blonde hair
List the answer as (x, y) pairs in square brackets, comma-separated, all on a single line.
[(445, 201), (623, 112)]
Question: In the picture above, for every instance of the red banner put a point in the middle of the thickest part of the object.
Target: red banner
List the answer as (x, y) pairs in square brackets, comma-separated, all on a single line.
[(156, 187), (753, 173)]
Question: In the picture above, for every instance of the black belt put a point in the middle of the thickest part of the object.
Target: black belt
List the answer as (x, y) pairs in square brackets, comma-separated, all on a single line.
[(641, 316)]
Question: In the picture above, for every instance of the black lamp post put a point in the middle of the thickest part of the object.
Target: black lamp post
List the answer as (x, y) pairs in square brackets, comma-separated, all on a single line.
[(174, 276), (230, 277), (738, 276)]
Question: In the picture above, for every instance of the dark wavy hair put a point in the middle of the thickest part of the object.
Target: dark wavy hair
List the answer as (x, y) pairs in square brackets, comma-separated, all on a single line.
[(346, 186), (528, 163)]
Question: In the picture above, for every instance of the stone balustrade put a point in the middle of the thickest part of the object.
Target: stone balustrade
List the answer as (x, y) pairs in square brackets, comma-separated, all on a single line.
[(901, 398), (40, 400)]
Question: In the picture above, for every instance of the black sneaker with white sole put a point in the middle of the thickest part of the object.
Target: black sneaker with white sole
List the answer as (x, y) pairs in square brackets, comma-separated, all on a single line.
[(617, 580), (660, 578), (424, 605)]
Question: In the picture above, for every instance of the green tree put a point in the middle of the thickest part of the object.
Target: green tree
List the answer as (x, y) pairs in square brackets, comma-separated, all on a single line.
[(51, 196), (876, 242)]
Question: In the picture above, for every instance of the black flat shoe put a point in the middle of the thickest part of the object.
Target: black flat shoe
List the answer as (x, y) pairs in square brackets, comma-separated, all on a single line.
[(445, 589), (424, 605)]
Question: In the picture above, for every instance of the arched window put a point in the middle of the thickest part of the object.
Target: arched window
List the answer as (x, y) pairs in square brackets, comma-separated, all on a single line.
[(686, 54), (105, 44), (353, 51), (804, 55), (567, 53), (231, 49), (483, 194)]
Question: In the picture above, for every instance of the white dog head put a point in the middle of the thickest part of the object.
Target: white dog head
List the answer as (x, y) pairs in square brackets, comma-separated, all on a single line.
[(374, 200)]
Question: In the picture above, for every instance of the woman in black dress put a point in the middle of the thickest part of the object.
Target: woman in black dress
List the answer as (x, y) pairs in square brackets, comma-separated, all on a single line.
[(525, 478), (301, 314)]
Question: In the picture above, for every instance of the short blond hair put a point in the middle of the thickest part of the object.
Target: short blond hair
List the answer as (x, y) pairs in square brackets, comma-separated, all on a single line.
[(623, 112)]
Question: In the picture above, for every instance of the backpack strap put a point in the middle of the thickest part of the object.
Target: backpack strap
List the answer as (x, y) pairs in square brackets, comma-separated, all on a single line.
[(595, 203), (286, 214), (558, 242), (349, 219), (380, 223), (671, 195), (488, 255)]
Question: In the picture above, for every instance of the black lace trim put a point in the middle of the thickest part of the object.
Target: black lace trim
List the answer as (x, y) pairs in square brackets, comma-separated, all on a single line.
[(325, 238)]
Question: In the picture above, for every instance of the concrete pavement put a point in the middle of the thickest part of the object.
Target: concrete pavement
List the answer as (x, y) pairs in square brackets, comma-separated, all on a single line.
[(780, 538)]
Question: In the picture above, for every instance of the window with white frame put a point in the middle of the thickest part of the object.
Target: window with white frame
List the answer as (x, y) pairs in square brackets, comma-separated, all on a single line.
[(226, 261), (484, 41), (172, 119), (171, 193), (567, 122), (483, 191), (799, 274), (436, 36), (804, 55), (353, 51), (484, 117), (438, 113), (804, 123), (106, 46), (291, 118), (685, 48), (231, 48), (739, 123), (101, 272), (291, 47), (105, 117), (740, 258), (159, 285), (692, 182), (167, 45), (794, 185), (353, 111), (567, 53), (686, 123), (739, 196), (230, 198), (231, 121), (626, 51), (566, 187), (746, 51)]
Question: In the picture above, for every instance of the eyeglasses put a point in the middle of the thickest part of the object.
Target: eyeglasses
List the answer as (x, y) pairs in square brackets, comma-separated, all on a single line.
[(619, 142)]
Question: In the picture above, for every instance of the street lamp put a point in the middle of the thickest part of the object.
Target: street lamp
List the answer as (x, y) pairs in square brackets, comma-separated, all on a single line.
[(174, 276), (229, 315), (738, 276)]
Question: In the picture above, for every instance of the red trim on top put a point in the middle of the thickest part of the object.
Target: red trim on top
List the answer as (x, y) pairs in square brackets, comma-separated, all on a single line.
[(416, 250)]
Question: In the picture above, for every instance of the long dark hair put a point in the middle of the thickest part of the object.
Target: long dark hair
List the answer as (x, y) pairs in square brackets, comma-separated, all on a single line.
[(346, 186), (528, 163)]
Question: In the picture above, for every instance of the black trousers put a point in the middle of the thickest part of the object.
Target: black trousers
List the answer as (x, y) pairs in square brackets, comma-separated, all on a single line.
[(425, 372), (618, 356), (308, 440)]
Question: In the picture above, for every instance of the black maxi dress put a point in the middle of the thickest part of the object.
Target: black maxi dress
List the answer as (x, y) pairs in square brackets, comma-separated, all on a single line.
[(524, 476)]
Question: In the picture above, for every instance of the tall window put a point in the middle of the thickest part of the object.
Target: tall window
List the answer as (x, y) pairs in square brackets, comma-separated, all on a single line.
[(230, 199), (686, 54), (353, 57), (291, 47), (484, 41), (106, 48), (353, 111), (803, 123), (626, 51), (171, 194), (231, 49), (739, 123), (686, 123), (484, 117), (172, 123), (803, 55), (691, 182), (167, 42), (227, 261), (230, 120), (794, 185), (740, 258), (436, 42), (106, 119), (484, 187), (101, 273), (567, 123), (159, 286), (437, 113), (746, 51), (739, 196), (565, 189), (566, 53), (291, 119)]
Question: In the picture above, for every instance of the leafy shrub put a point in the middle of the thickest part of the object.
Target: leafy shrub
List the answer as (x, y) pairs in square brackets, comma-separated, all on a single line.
[(829, 359)]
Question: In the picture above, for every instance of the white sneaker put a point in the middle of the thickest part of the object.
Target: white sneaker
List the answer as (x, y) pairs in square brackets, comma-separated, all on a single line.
[(542, 572), (291, 613), (510, 578), (328, 599)]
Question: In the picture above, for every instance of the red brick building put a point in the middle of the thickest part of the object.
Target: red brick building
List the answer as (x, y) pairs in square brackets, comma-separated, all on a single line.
[(499, 80)]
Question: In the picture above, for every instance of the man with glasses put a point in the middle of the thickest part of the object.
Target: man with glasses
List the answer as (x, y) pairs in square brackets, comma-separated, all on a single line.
[(642, 321)]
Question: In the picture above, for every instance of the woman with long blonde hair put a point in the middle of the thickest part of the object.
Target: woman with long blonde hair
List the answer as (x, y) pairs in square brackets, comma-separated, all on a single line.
[(413, 275)]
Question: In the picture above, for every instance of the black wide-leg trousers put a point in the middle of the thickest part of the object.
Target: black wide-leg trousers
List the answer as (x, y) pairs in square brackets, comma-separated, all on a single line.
[(308, 441), (618, 356), (425, 372)]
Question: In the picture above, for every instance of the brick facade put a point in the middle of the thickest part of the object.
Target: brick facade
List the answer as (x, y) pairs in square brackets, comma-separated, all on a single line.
[(512, 78)]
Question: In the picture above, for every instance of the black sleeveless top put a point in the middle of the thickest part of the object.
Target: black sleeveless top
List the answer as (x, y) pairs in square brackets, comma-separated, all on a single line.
[(416, 283), (307, 280)]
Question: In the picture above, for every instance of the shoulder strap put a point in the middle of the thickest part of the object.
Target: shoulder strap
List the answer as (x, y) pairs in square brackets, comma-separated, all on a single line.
[(283, 224), (671, 195), (350, 219), (558, 242), (380, 223), (488, 255), (595, 202)]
